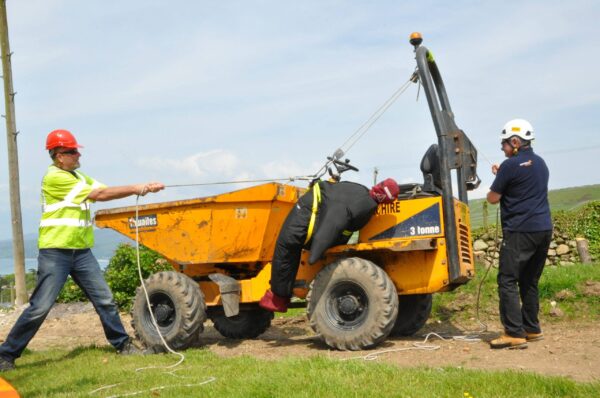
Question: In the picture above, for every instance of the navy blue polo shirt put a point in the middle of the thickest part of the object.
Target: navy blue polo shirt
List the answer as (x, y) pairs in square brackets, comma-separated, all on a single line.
[(522, 180)]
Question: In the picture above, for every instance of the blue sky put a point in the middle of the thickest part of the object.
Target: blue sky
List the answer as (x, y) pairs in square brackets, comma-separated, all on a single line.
[(198, 91)]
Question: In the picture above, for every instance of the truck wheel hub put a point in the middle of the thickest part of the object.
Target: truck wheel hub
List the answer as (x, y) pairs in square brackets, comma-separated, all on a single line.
[(162, 313), (348, 304)]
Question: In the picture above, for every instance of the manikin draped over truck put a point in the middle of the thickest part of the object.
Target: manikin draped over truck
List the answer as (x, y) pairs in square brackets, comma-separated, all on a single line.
[(221, 249)]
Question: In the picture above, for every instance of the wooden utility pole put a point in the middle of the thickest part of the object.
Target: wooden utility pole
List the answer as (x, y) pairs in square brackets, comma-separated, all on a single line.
[(375, 173), (13, 162)]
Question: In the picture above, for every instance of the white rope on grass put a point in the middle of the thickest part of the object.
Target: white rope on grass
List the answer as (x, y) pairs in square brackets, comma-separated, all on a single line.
[(158, 388), (418, 346), (155, 323), (103, 388)]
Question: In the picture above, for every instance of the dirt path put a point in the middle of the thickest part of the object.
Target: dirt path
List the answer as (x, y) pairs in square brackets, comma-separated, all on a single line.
[(571, 350)]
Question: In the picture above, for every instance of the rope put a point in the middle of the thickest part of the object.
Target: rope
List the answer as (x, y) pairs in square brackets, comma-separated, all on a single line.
[(419, 346), (350, 142), (486, 158), (362, 130), (173, 367), (487, 271), (154, 322), (484, 326), (291, 179), (153, 389)]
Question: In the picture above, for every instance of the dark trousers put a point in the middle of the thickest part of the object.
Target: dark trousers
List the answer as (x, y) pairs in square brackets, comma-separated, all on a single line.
[(54, 266), (522, 259), (288, 250)]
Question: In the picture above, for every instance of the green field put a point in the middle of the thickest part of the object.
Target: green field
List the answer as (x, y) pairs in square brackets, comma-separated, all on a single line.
[(560, 199), (75, 373), (78, 372), (565, 285)]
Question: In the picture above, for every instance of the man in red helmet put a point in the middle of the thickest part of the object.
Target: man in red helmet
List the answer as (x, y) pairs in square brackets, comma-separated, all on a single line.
[(65, 240), (324, 217)]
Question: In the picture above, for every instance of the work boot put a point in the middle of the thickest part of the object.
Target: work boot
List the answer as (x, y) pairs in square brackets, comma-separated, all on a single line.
[(506, 341), (129, 349), (274, 303), (6, 365), (535, 336)]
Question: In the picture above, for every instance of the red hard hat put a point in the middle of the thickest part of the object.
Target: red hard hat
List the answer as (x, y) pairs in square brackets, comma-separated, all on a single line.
[(61, 138)]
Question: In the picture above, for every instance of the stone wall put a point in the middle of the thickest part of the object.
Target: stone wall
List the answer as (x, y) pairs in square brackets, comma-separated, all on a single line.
[(563, 250)]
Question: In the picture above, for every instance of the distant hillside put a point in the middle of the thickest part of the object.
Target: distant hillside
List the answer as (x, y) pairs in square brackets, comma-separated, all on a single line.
[(107, 241), (560, 199)]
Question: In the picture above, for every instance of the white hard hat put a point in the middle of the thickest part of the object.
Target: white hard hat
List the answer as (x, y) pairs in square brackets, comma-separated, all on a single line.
[(519, 127)]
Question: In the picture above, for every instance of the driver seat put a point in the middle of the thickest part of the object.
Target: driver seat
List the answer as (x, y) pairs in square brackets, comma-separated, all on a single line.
[(432, 179), (430, 167)]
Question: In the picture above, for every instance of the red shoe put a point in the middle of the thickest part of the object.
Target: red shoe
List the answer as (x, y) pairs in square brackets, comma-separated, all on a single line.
[(274, 303)]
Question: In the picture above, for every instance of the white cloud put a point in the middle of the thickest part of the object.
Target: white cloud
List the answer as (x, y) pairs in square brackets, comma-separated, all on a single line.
[(217, 162)]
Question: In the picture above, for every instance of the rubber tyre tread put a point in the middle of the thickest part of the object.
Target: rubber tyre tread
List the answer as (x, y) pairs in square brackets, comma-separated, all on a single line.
[(413, 312), (382, 309), (190, 310), (248, 324)]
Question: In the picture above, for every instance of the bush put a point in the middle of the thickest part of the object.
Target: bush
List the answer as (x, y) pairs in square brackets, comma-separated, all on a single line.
[(583, 222), (121, 275), (71, 293)]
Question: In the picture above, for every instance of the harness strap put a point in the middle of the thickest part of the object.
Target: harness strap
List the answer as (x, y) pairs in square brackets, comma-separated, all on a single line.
[(315, 210)]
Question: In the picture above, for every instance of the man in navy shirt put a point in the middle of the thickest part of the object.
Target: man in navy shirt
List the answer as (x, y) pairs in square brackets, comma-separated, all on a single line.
[(521, 187)]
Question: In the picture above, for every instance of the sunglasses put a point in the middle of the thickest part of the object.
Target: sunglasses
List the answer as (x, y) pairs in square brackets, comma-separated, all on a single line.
[(70, 152)]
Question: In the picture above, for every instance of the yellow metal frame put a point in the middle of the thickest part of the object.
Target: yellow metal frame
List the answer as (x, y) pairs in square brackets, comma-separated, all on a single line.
[(238, 230)]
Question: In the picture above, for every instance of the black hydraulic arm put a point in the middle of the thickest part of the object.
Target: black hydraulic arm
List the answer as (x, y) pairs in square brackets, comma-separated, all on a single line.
[(455, 150)]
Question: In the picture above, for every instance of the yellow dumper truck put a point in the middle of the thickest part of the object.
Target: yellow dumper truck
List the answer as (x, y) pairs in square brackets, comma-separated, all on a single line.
[(357, 295)]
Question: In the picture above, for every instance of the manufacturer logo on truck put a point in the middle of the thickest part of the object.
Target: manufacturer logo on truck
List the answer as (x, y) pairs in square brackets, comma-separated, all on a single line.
[(143, 222)]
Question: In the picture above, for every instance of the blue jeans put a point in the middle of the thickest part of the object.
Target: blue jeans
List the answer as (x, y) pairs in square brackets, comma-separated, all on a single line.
[(54, 266)]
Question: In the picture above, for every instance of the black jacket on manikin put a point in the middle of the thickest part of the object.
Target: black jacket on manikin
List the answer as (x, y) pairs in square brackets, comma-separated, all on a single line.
[(345, 206)]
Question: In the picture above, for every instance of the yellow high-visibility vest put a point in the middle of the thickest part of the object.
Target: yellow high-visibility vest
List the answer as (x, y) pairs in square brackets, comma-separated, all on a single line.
[(66, 217)]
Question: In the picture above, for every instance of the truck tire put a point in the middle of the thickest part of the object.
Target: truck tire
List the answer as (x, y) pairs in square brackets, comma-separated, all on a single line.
[(352, 304), (413, 312), (248, 324), (178, 306)]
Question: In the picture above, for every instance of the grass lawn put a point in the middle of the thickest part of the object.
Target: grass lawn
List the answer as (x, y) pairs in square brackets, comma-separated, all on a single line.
[(77, 373), (59, 373), (565, 285)]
